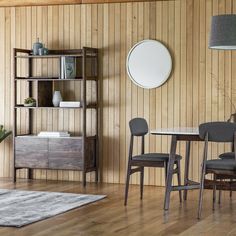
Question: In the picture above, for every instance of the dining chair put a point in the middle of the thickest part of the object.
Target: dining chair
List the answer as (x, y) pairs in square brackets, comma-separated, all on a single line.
[(136, 163), (224, 167), (226, 155)]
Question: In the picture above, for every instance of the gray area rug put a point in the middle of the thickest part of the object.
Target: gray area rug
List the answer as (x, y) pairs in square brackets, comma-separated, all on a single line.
[(19, 208)]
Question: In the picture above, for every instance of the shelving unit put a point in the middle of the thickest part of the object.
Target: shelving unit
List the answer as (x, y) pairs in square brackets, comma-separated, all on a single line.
[(70, 153)]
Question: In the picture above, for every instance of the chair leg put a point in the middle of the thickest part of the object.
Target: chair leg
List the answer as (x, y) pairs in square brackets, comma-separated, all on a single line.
[(127, 183), (214, 193), (170, 172), (179, 179), (168, 184), (200, 198), (166, 171), (141, 182), (201, 191)]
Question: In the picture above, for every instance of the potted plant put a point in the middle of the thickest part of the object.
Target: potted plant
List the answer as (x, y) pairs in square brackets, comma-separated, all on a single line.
[(3, 133), (30, 102)]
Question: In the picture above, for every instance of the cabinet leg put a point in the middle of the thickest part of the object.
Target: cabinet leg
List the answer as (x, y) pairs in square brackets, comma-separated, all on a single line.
[(29, 173), (96, 176), (14, 175), (84, 178)]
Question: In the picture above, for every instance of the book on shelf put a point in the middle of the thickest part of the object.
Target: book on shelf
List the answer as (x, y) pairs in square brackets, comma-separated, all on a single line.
[(70, 104), (55, 134), (68, 67)]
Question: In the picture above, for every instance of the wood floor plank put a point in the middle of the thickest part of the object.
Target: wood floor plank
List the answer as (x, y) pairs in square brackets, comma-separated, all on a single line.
[(139, 218)]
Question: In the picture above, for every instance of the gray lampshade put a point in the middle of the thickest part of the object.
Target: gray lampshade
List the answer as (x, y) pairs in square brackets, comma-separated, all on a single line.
[(223, 32)]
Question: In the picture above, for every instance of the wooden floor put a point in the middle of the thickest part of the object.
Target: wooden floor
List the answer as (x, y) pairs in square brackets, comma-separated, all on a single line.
[(110, 217)]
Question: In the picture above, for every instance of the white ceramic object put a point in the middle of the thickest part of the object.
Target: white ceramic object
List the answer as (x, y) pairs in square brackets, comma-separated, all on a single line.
[(149, 64), (56, 98)]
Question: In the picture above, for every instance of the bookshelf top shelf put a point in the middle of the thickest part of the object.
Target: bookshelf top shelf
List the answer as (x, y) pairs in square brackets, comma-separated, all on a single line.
[(89, 106), (51, 56), (88, 52), (54, 79)]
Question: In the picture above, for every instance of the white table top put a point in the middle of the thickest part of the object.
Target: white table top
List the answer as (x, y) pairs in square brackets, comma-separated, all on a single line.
[(176, 131)]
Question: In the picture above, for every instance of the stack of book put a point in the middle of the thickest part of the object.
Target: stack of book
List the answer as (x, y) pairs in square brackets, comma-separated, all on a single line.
[(48, 134), (70, 104)]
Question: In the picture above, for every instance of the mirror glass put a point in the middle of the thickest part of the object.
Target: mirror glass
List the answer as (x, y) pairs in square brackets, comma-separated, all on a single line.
[(149, 64)]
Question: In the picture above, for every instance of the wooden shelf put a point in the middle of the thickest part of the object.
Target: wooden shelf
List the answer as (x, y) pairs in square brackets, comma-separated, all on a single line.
[(90, 106), (56, 153), (71, 137), (53, 79), (52, 56)]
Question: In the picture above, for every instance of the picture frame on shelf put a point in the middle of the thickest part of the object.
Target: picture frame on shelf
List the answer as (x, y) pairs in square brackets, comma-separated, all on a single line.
[(68, 67)]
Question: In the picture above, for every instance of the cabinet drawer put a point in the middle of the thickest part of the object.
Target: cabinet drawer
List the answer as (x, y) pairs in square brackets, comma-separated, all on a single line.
[(31, 152), (65, 153), (64, 145)]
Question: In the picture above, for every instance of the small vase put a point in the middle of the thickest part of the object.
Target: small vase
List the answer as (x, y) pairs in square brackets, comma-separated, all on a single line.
[(36, 47), (56, 98), (232, 118)]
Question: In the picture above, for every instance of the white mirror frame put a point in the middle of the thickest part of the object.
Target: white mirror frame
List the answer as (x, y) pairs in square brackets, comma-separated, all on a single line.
[(149, 64)]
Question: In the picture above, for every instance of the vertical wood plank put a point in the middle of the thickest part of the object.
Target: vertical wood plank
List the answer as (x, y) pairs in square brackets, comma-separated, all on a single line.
[(199, 89)]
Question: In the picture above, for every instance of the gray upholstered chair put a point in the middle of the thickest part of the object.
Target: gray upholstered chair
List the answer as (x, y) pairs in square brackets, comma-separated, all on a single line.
[(226, 155), (224, 167), (136, 163)]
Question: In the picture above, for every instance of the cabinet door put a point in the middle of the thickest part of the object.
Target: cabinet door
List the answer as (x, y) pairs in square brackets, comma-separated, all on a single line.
[(31, 152), (65, 153)]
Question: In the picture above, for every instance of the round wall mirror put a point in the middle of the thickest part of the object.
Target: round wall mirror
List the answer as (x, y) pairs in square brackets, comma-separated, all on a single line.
[(149, 64)]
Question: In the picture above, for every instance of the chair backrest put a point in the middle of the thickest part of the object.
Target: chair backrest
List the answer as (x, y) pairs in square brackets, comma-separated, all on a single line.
[(138, 127), (218, 131)]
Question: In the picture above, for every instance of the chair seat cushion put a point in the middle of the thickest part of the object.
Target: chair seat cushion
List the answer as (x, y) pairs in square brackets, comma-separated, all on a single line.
[(221, 164), (227, 155), (154, 157)]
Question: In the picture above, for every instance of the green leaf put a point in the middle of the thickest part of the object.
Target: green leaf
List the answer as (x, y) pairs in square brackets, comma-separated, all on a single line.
[(4, 134)]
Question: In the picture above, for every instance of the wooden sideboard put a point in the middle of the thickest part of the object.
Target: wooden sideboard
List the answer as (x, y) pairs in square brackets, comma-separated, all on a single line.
[(54, 153)]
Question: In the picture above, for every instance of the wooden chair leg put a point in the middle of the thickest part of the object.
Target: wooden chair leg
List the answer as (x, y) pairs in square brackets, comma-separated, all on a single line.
[(214, 193), (179, 180), (127, 184), (169, 184), (166, 171), (141, 182), (170, 172), (201, 193)]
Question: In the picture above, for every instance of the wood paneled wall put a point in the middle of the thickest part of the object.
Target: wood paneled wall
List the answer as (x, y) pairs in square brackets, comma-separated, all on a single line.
[(20, 3), (200, 88)]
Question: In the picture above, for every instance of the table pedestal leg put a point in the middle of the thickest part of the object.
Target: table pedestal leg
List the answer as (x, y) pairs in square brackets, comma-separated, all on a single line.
[(186, 171), (170, 172)]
